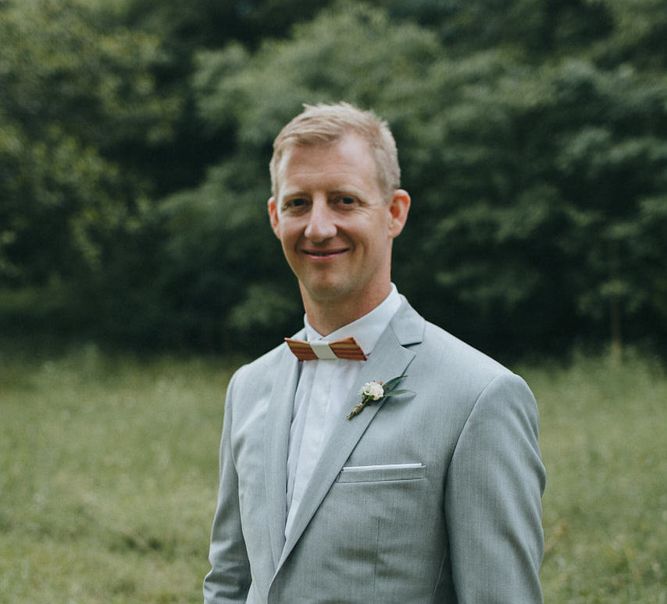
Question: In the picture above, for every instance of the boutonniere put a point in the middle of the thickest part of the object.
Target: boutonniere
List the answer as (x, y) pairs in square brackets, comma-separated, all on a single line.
[(374, 392)]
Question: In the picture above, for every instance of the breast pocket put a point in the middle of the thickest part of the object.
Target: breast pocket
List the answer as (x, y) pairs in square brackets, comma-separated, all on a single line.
[(381, 516), (382, 473)]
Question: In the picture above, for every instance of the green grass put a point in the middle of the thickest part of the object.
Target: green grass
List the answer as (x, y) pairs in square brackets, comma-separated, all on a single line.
[(108, 477), (604, 442)]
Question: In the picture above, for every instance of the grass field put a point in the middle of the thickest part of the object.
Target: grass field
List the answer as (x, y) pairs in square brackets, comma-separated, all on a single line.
[(108, 477)]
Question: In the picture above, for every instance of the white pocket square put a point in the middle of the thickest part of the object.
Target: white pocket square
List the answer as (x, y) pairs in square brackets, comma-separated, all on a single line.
[(382, 472), (391, 466)]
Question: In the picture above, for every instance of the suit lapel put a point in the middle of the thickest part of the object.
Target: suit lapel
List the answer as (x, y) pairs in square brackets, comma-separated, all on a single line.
[(388, 360), (276, 442)]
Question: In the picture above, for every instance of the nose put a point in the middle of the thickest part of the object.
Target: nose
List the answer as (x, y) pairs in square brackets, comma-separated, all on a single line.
[(321, 222)]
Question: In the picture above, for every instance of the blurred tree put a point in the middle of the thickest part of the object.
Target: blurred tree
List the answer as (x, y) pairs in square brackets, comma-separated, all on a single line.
[(135, 138), (513, 237), (77, 94), (210, 23), (233, 251), (549, 175), (638, 35), (612, 167)]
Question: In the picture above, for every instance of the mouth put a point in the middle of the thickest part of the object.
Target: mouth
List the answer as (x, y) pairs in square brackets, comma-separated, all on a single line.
[(324, 253)]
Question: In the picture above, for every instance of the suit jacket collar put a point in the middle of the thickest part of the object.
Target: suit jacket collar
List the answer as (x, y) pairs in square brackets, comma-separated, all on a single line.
[(276, 441), (390, 358)]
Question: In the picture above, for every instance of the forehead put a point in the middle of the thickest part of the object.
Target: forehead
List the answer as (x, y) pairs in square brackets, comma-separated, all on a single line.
[(347, 161)]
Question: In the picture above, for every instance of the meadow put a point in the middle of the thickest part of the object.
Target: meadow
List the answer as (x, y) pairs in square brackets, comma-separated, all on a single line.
[(108, 476)]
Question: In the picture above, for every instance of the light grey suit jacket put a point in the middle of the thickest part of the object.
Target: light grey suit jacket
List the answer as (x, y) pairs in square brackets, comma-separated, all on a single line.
[(429, 497)]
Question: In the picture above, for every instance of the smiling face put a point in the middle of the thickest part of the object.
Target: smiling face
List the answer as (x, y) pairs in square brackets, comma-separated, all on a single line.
[(335, 225)]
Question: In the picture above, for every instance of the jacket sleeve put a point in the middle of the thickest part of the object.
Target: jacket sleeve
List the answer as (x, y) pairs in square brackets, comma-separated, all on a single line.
[(493, 496), (228, 581)]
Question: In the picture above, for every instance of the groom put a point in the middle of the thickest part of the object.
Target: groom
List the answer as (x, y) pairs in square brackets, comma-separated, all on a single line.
[(427, 487)]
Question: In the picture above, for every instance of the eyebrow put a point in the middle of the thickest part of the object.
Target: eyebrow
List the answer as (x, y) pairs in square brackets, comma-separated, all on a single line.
[(297, 193), (350, 190)]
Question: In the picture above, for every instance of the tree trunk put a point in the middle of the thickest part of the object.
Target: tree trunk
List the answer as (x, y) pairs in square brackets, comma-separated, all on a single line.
[(615, 325)]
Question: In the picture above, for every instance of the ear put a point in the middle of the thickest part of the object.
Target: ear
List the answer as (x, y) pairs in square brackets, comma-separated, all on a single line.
[(399, 206), (274, 218)]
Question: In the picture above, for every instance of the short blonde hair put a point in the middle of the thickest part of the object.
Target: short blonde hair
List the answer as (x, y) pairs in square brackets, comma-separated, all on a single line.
[(323, 124)]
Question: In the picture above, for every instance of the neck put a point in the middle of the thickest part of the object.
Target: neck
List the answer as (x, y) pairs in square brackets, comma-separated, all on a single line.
[(326, 316)]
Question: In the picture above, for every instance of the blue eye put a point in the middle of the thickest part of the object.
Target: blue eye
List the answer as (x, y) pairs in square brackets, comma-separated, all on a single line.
[(294, 204), (346, 200)]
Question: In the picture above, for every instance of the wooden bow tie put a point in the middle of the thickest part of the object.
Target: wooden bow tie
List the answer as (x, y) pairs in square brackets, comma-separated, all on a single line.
[(346, 348)]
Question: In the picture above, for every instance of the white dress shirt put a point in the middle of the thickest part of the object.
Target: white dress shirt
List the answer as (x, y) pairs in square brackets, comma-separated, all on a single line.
[(321, 394)]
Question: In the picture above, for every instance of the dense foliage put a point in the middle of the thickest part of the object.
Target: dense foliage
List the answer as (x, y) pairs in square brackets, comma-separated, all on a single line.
[(135, 138)]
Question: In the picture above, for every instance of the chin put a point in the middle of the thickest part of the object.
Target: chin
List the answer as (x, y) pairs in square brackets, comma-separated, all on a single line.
[(326, 292)]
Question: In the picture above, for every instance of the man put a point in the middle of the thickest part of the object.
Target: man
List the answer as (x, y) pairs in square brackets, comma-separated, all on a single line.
[(425, 488)]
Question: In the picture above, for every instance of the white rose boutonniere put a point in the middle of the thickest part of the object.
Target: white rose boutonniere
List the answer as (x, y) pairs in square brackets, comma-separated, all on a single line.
[(374, 392)]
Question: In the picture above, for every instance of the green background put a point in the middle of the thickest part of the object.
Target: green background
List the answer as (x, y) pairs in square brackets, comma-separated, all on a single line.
[(135, 137), (136, 258)]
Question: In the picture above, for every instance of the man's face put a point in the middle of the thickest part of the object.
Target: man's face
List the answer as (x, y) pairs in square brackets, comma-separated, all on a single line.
[(334, 223)]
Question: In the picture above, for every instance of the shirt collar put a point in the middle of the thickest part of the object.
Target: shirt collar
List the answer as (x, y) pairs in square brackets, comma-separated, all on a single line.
[(367, 329)]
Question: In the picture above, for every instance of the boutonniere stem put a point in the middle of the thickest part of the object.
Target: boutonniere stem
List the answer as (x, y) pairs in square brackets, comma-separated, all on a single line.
[(374, 392)]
